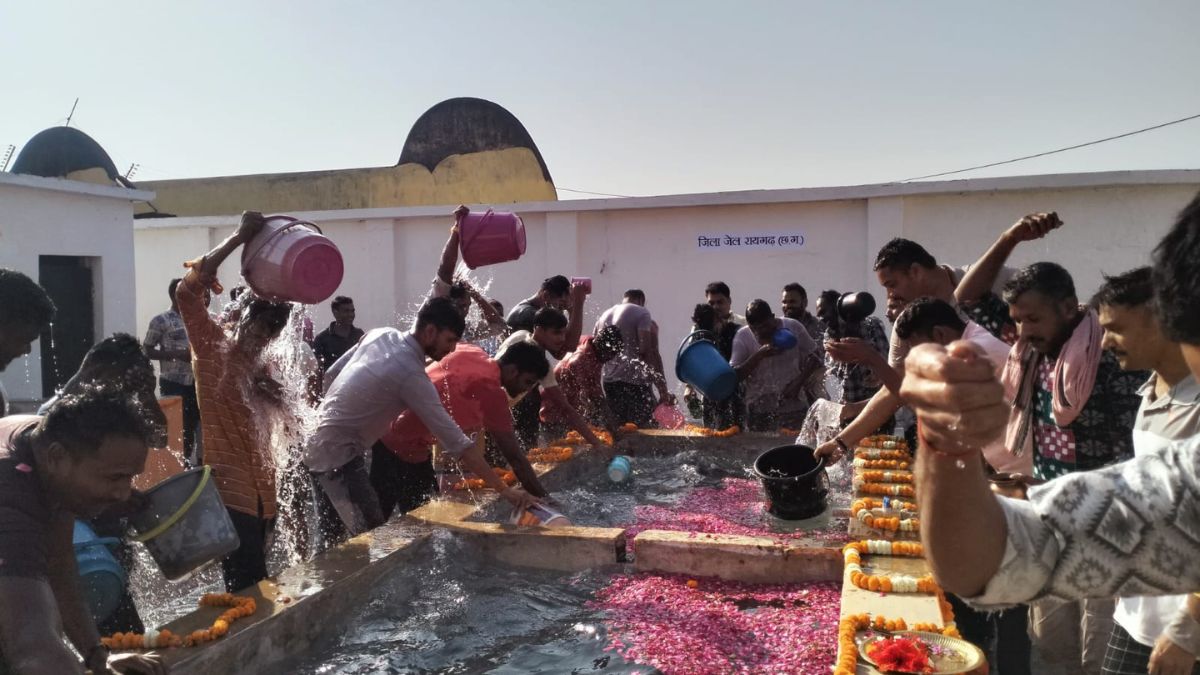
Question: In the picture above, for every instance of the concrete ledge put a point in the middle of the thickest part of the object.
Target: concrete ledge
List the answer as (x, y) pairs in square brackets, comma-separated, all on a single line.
[(296, 610), (737, 558)]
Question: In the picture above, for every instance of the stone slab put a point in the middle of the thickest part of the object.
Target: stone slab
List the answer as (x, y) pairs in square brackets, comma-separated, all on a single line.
[(736, 557)]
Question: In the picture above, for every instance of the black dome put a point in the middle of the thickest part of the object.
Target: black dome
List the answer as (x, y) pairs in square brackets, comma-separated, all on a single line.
[(58, 151), (460, 126)]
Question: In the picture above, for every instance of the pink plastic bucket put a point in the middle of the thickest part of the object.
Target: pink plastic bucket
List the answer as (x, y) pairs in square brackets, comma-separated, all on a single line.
[(585, 281), (491, 237), (290, 260), (668, 416)]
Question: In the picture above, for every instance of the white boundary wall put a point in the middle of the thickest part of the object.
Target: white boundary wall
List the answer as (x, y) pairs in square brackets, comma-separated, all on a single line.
[(52, 216), (1112, 222)]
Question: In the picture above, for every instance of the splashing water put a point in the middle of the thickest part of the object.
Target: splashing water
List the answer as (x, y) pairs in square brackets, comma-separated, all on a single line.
[(286, 423)]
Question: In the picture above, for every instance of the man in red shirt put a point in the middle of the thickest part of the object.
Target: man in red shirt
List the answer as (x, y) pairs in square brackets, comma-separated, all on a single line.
[(579, 378), (474, 389)]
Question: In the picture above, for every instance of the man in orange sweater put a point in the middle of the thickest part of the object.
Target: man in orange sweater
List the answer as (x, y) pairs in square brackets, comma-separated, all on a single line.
[(228, 371)]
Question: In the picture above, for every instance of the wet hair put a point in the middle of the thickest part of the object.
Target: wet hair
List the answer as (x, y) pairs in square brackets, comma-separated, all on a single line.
[(83, 420), (1131, 289), (636, 295), (341, 301), (557, 285), (443, 315), (758, 311), (549, 318), (718, 288), (1176, 283), (23, 301), (830, 297), (236, 292), (608, 342), (796, 288), (923, 315), (704, 316), (118, 361), (903, 254), (458, 290), (527, 357), (275, 314), (171, 288), (497, 305), (1050, 279)]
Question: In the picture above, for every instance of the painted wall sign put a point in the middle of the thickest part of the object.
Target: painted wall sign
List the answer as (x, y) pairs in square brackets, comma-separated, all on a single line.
[(750, 242)]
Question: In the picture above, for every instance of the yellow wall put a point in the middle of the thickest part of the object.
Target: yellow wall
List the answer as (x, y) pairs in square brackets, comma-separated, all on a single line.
[(495, 176)]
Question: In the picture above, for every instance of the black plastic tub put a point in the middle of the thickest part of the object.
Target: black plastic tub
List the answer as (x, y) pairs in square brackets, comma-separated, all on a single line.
[(794, 481)]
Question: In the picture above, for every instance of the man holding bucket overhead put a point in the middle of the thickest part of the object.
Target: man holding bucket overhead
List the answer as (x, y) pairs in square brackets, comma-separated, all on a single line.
[(75, 462), (229, 371)]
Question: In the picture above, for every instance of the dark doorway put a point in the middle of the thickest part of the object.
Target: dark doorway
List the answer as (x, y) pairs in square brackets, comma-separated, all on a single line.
[(68, 281)]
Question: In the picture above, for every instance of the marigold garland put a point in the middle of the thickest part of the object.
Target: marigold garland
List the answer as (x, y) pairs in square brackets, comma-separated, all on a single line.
[(889, 504), (713, 433), (550, 455), (240, 607), (884, 442), (884, 583), (870, 476), (849, 626), (877, 454), (575, 438), (505, 475), (890, 489), (892, 464)]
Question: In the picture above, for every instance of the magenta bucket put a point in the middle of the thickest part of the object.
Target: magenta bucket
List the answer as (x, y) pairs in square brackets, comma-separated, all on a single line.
[(669, 417), (292, 261), (491, 237)]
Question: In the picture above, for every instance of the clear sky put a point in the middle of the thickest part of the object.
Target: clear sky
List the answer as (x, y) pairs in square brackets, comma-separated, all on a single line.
[(628, 97)]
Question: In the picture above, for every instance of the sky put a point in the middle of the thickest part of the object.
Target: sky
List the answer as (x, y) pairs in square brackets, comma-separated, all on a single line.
[(622, 97)]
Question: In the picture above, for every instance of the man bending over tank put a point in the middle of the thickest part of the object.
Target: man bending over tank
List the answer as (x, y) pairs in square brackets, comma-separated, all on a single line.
[(75, 462)]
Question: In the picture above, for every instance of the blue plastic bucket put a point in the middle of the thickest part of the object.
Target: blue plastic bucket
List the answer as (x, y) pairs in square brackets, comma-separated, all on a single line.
[(185, 525), (701, 365), (101, 576)]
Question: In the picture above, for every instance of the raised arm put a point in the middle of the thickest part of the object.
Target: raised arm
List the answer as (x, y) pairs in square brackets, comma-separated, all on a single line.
[(980, 279), (574, 318), (445, 270), (960, 407)]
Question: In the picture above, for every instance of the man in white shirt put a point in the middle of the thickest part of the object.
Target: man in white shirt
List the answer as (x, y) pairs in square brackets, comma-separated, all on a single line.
[(774, 375), (1170, 411), (368, 387)]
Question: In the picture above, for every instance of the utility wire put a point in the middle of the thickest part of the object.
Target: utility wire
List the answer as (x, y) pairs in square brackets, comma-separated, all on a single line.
[(1051, 152), (590, 192)]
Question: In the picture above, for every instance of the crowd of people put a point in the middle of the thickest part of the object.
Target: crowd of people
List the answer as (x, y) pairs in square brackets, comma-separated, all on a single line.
[(1056, 461)]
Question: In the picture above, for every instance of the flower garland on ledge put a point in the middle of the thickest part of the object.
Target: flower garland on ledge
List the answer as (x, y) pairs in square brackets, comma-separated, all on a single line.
[(876, 454), (849, 626), (240, 606), (889, 489), (893, 464), (861, 510), (884, 442), (870, 476), (885, 583), (550, 455), (505, 475), (713, 433)]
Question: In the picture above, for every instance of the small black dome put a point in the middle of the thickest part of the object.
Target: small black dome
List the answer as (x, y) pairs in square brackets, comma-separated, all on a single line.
[(59, 151), (460, 126)]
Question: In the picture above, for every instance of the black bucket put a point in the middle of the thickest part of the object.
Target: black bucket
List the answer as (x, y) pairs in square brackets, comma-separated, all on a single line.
[(794, 480)]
